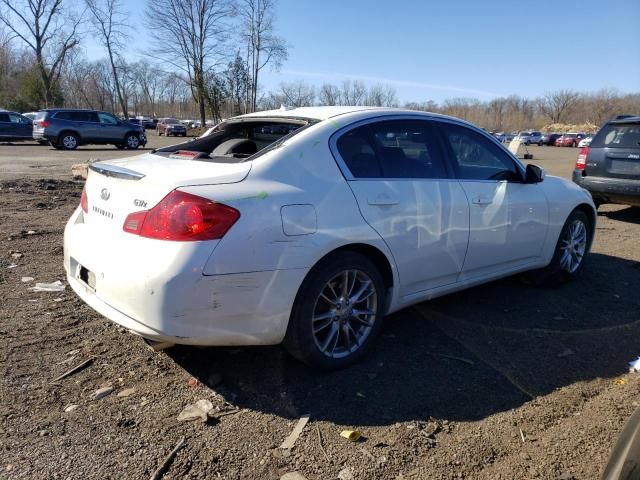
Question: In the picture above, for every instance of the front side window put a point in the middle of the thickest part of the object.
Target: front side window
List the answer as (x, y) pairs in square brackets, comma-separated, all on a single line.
[(15, 118), (392, 149), (476, 157), (107, 119)]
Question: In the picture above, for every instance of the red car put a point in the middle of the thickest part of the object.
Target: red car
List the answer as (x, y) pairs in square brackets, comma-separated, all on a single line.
[(569, 140)]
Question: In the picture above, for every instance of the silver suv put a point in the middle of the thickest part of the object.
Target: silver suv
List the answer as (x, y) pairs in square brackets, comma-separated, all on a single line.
[(530, 137), (66, 129)]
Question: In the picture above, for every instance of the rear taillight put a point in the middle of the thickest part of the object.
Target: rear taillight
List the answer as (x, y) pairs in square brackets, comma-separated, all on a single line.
[(181, 216), (84, 201), (581, 163), (43, 123)]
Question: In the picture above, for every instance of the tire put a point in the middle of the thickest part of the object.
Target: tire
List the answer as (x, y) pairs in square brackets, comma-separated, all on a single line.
[(341, 337), (561, 270), (68, 141), (132, 141), (184, 134)]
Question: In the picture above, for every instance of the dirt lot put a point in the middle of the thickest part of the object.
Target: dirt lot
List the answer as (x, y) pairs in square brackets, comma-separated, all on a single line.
[(503, 381)]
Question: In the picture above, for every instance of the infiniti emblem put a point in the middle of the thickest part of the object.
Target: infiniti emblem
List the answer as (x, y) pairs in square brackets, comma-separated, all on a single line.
[(104, 194)]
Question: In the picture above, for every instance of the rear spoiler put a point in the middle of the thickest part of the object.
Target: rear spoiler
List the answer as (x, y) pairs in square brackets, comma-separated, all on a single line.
[(115, 171)]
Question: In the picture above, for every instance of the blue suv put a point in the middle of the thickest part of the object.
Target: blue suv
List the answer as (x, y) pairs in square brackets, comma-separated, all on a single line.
[(66, 129)]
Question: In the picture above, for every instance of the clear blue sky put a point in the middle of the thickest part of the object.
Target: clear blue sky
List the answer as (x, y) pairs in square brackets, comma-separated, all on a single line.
[(432, 50)]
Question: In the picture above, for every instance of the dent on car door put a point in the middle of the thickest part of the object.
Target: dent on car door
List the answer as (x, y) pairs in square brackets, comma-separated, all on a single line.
[(508, 218), (398, 175)]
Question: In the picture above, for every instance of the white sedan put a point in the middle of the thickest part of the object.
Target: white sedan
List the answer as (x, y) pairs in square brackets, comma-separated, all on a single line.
[(307, 226)]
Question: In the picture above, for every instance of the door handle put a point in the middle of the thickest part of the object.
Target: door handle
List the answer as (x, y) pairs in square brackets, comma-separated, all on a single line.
[(481, 201), (382, 200)]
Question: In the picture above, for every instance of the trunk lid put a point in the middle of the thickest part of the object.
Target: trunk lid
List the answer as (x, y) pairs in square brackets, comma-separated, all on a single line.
[(116, 188)]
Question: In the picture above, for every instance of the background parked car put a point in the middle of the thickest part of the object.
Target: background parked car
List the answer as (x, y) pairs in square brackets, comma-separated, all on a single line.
[(550, 138), (610, 167), (171, 126), (530, 137), (585, 142), (68, 128), (14, 127), (146, 122), (569, 139), (503, 137)]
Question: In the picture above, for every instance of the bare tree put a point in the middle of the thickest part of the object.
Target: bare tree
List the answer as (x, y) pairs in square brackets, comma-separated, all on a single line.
[(329, 95), (298, 94), (190, 35), (353, 92), (48, 29), (556, 105), (381, 96), (109, 24), (263, 46)]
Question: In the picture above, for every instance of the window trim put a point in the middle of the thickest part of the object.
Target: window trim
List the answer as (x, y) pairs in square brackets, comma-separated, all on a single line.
[(451, 155), (346, 172)]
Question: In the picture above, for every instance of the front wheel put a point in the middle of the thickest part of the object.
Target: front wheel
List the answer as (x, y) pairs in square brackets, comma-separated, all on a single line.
[(132, 141), (337, 313), (571, 249)]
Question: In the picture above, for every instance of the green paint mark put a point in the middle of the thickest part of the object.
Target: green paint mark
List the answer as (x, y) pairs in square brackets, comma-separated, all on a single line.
[(301, 155), (259, 196), (262, 195), (316, 143), (335, 123)]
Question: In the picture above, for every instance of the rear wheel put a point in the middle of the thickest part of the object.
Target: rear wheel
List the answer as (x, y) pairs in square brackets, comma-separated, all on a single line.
[(68, 141), (571, 249), (337, 313)]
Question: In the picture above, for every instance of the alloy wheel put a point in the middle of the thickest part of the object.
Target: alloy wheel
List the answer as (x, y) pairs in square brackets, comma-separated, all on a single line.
[(69, 142), (344, 313), (573, 246), (133, 141)]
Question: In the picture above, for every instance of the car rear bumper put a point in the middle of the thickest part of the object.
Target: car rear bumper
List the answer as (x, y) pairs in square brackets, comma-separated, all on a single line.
[(612, 190), (164, 295)]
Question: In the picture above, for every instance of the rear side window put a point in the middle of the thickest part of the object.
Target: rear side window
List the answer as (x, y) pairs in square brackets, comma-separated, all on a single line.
[(618, 135), (4, 117), (63, 116), (392, 149), (476, 157)]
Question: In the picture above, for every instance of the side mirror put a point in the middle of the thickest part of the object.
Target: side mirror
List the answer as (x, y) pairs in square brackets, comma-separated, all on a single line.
[(534, 174)]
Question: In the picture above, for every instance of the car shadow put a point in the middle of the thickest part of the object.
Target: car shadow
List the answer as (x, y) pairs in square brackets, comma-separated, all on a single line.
[(461, 357), (629, 214)]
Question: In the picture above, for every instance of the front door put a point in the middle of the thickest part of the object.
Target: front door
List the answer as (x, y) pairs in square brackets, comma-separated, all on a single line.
[(397, 172), (508, 218)]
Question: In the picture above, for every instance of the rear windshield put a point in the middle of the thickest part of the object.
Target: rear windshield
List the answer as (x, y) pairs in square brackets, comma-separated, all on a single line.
[(40, 115), (171, 121), (618, 135)]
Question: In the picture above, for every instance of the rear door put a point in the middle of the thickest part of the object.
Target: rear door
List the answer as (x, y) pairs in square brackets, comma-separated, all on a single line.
[(22, 126), (508, 218), (615, 152), (7, 129), (397, 172)]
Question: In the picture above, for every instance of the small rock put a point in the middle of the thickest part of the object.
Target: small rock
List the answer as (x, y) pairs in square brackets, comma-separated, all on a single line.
[(293, 476), (126, 392), (31, 232), (70, 408), (191, 412), (43, 433), (193, 382), (27, 279), (17, 255), (567, 352), (102, 392), (525, 456), (346, 474)]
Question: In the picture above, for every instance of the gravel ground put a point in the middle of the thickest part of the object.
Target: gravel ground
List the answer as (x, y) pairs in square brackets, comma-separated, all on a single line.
[(503, 381)]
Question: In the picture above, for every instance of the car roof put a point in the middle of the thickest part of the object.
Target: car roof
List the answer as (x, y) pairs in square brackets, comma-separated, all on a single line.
[(625, 119), (325, 113)]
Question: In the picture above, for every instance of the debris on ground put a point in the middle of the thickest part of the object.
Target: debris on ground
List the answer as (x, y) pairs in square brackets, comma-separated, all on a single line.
[(193, 382), (56, 286), (295, 433), (351, 435), (634, 366), (79, 171), (75, 369), (346, 474), (126, 392), (27, 279), (70, 408), (293, 476), (197, 411), (102, 392), (166, 463)]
